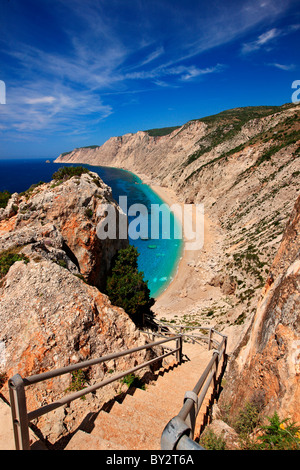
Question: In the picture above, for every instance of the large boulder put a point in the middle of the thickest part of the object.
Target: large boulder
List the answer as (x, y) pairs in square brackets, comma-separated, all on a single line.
[(52, 312), (65, 216)]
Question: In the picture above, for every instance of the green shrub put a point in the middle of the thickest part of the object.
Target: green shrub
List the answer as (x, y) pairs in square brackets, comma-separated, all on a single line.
[(210, 441), (29, 191), (131, 380), (4, 198), (279, 435), (89, 213), (78, 382), (67, 172), (126, 287), (162, 131), (8, 258), (247, 420)]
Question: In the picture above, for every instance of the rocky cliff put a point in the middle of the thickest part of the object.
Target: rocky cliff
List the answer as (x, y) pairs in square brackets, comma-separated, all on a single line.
[(51, 310), (243, 165), (266, 366)]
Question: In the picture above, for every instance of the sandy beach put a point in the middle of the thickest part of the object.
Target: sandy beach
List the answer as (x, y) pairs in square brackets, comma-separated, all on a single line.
[(185, 290)]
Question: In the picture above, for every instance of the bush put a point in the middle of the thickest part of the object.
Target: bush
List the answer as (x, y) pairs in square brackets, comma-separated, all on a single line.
[(4, 198), (210, 441), (132, 380), (126, 287), (67, 172), (8, 258), (247, 420), (78, 382), (279, 435)]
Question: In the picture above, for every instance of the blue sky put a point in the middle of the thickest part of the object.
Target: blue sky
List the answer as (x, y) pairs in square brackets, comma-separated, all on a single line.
[(77, 73)]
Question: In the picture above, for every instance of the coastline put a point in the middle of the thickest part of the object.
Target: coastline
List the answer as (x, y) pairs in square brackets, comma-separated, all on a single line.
[(185, 289), (189, 289)]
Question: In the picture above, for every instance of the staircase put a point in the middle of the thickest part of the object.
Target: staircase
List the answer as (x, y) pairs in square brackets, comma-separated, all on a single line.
[(138, 422)]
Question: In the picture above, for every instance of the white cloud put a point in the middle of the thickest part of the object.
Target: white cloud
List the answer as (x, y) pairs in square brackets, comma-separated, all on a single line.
[(153, 56), (285, 67), (40, 100), (27, 111), (260, 41), (66, 90)]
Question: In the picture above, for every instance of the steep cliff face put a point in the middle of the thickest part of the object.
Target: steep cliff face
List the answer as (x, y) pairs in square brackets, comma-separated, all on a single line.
[(60, 220), (266, 366), (244, 166), (180, 158), (51, 310)]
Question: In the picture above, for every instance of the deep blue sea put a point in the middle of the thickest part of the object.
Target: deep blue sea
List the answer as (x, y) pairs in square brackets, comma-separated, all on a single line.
[(158, 258)]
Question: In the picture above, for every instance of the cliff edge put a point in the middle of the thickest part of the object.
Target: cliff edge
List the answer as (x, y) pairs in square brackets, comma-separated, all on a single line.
[(52, 312), (265, 368)]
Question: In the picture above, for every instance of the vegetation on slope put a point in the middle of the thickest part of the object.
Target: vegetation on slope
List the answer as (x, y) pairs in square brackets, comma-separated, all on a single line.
[(161, 132), (126, 287), (280, 136), (78, 148), (67, 172), (224, 126), (4, 198), (8, 258)]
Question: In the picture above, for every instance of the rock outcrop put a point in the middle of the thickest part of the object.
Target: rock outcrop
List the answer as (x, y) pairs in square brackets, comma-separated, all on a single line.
[(266, 366), (51, 310), (59, 221)]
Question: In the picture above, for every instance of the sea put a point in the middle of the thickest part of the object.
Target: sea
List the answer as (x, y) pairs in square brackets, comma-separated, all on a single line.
[(158, 258)]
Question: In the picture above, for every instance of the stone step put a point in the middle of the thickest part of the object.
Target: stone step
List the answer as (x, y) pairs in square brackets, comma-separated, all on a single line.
[(84, 441), (139, 414), (138, 422), (7, 441), (149, 404), (123, 432)]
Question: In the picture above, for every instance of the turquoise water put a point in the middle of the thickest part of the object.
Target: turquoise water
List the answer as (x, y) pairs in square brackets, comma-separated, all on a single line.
[(158, 257)]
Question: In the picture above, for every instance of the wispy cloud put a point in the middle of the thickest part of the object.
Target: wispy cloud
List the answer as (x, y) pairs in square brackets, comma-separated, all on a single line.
[(107, 52), (267, 37), (262, 40), (152, 56), (192, 72), (28, 111), (40, 100), (285, 67)]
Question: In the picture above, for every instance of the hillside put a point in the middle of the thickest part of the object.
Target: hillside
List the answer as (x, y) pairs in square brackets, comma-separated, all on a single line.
[(243, 165)]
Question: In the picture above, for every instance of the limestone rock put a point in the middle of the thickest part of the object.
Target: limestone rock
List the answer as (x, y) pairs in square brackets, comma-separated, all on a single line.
[(223, 430), (50, 316), (60, 221), (267, 361)]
